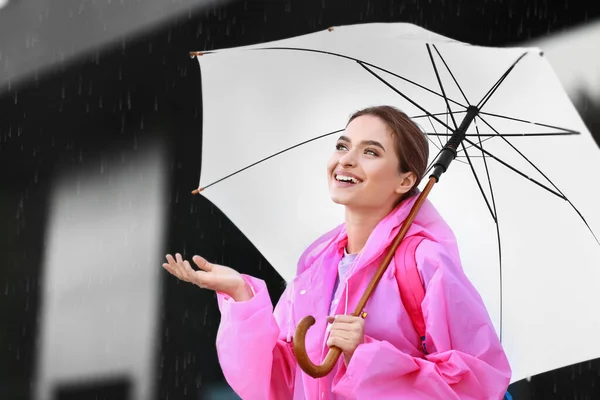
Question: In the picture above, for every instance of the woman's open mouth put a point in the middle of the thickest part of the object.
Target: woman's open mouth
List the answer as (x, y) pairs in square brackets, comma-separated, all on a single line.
[(347, 179)]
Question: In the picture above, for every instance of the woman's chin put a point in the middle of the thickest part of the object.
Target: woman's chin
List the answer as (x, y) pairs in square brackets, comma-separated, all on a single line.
[(338, 199), (343, 200)]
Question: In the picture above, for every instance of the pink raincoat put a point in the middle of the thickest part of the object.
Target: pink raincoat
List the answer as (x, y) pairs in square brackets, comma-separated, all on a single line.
[(465, 360)]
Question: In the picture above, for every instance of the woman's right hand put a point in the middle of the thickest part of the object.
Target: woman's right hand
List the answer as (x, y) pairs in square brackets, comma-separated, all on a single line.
[(211, 276)]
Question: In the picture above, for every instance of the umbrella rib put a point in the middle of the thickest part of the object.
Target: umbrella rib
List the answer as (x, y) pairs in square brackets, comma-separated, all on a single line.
[(481, 141), (565, 130), (497, 223), (439, 138), (451, 74), (494, 213), (548, 179), (515, 170), (437, 114), (437, 75), (360, 62), (487, 171), (403, 95), (531, 134), (271, 156), (487, 202), (495, 87)]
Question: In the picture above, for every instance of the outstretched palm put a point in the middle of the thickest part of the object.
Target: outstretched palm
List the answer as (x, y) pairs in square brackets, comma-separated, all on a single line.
[(209, 276)]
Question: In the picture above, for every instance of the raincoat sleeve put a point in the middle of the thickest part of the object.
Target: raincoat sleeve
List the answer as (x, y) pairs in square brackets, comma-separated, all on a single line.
[(466, 360), (257, 361)]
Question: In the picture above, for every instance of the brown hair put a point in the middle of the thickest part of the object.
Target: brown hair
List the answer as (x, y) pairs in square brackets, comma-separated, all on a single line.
[(410, 142)]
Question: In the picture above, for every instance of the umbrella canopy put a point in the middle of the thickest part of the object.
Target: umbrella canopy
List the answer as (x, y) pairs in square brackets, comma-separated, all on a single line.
[(518, 196)]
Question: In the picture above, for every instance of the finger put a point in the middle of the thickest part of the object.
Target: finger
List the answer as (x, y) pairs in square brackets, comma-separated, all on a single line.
[(341, 334), (344, 327), (170, 259), (173, 271), (347, 318), (196, 277), (342, 344), (202, 263), (177, 266), (179, 258), (188, 271)]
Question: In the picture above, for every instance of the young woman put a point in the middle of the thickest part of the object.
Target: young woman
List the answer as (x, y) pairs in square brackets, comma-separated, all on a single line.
[(374, 172)]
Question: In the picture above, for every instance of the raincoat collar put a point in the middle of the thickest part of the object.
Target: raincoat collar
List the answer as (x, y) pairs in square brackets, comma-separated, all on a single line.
[(427, 223)]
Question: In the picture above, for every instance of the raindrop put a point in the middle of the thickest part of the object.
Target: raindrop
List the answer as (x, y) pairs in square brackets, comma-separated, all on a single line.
[(16, 97), (129, 100), (142, 123)]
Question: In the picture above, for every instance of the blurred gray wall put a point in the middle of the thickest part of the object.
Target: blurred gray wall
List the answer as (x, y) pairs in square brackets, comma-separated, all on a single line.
[(38, 35), (101, 287), (575, 57)]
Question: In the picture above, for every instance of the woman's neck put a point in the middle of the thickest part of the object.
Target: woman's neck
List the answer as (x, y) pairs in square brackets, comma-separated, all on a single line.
[(359, 225)]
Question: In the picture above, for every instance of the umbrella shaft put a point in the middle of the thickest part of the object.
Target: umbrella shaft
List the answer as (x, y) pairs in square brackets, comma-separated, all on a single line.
[(448, 153)]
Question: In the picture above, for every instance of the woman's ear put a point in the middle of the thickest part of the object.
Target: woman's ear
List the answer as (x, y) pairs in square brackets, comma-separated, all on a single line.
[(407, 182)]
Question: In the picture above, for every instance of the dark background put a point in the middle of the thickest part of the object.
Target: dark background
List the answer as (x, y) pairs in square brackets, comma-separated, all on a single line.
[(147, 88)]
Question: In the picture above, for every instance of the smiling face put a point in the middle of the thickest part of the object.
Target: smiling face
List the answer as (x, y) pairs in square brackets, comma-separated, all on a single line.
[(364, 170)]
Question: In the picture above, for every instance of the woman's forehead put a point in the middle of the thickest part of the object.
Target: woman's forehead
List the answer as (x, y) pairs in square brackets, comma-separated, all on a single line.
[(371, 128)]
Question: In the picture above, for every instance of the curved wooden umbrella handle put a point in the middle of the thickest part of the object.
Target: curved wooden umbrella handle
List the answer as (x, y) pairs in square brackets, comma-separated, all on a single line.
[(316, 371)]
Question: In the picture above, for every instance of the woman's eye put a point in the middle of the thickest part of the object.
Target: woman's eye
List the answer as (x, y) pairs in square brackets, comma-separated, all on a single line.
[(371, 152), (340, 146)]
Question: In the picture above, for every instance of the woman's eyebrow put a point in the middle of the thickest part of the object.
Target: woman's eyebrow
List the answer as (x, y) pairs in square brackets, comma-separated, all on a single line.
[(364, 142)]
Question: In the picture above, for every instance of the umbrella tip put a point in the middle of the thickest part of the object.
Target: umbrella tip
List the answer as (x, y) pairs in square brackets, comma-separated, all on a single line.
[(196, 191), (195, 54)]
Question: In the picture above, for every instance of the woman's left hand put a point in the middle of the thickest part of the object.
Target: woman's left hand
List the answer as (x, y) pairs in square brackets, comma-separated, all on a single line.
[(346, 332)]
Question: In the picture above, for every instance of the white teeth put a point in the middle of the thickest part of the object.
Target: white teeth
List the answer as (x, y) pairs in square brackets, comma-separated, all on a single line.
[(343, 178)]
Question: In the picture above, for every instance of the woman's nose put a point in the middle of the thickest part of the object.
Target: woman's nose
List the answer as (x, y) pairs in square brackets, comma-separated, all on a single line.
[(348, 159)]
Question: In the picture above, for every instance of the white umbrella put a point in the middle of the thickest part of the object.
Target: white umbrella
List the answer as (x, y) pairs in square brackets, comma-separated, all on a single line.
[(518, 196)]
